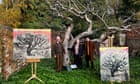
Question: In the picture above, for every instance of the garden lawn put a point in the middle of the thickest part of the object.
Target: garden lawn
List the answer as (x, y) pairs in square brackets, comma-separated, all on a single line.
[(46, 72)]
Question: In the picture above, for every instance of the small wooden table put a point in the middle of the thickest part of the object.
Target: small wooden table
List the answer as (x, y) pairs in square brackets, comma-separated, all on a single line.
[(33, 62)]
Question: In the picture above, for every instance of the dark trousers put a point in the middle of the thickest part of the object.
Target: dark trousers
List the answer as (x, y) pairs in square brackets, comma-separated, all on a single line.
[(88, 59), (59, 62), (78, 61)]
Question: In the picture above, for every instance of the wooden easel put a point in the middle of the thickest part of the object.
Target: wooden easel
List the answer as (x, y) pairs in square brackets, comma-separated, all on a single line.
[(110, 43), (33, 62)]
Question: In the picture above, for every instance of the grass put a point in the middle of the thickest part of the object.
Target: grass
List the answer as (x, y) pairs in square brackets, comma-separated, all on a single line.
[(46, 72)]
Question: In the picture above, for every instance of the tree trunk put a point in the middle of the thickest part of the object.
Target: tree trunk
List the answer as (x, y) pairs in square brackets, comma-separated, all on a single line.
[(29, 51), (66, 45), (89, 30), (112, 73)]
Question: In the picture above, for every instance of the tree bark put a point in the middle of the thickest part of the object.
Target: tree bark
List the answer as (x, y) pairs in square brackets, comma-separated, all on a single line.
[(66, 45)]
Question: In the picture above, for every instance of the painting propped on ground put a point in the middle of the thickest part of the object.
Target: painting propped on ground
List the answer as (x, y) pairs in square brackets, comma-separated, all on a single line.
[(114, 63), (32, 43)]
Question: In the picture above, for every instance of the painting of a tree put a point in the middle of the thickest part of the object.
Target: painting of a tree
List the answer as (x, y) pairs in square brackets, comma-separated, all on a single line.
[(114, 64), (32, 43)]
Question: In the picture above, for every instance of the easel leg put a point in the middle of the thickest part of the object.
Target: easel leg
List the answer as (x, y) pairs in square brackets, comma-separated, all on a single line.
[(33, 67)]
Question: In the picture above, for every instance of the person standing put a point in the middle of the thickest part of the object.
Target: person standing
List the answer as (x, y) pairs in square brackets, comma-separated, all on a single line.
[(58, 53), (89, 52), (78, 52)]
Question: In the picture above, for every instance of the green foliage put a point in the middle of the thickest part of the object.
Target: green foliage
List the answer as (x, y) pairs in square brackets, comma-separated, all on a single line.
[(135, 5), (35, 14), (57, 24), (129, 7), (34, 25), (38, 15), (10, 12), (46, 72), (80, 26)]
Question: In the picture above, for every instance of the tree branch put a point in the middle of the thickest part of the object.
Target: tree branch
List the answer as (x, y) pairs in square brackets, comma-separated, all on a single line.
[(50, 5), (75, 5), (129, 18), (90, 23), (101, 18)]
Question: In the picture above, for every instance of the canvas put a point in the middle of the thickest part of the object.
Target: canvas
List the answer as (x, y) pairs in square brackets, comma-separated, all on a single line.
[(114, 64), (32, 43)]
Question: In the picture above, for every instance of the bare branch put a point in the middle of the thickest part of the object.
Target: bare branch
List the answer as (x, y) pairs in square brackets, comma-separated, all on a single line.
[(81, 4), (101, 18), (137, 31), (75, 5), (90, 23), (129, 18), (50, 5), (69, 1), (103, 15), (72, 10), (119, 29), (13, 3)]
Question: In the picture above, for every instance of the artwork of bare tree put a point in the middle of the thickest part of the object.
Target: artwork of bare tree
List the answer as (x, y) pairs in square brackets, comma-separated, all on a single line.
[(32, 45), (114, 64)]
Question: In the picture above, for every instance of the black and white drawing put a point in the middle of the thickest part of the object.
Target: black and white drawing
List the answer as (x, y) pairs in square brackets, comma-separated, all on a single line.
[(32, 45), (114, 64)]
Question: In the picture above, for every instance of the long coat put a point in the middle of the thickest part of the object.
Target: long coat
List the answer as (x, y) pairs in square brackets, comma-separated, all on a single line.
[(89, 50), (58, 49), (80, 50), (58, 52)]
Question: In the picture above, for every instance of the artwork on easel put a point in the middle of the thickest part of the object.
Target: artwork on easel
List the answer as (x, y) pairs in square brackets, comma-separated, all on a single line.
[(114, 64), (32, 43)]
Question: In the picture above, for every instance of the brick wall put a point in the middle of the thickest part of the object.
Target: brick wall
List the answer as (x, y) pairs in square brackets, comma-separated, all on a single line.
[(8, 65), (133, 40)]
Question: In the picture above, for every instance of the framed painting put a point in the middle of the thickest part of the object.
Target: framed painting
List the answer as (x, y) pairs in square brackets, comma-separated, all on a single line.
[(114, 64), (32, 43)]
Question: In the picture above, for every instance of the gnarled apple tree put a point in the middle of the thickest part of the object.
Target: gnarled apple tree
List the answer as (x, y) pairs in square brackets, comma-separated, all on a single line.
[(83, 9)]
